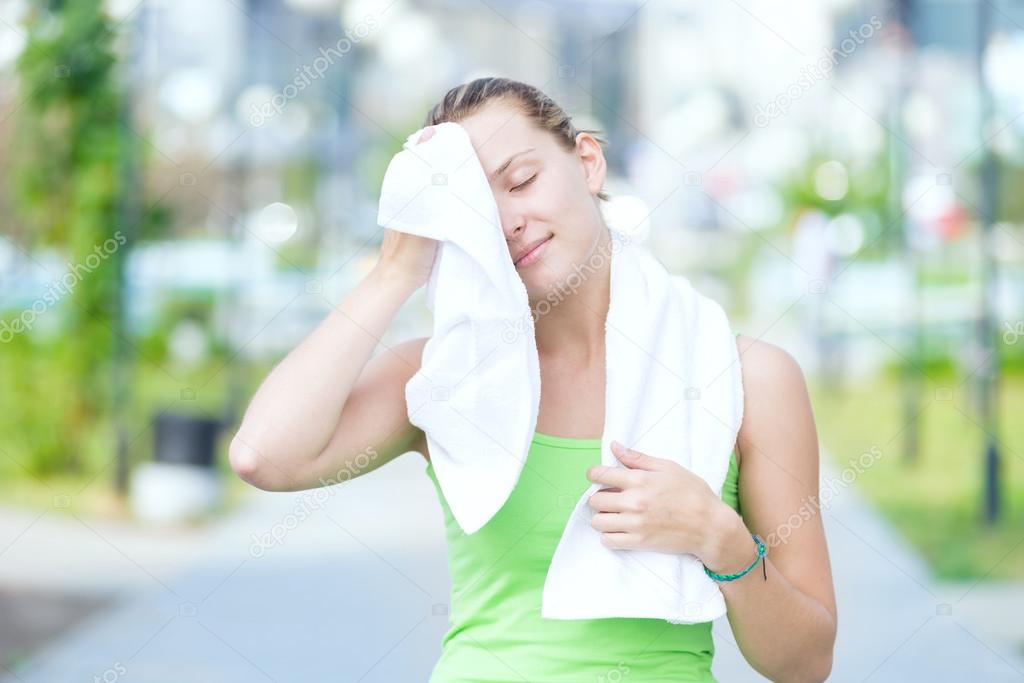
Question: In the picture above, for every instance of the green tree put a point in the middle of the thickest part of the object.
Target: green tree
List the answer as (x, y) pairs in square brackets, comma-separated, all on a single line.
[(65, 173)]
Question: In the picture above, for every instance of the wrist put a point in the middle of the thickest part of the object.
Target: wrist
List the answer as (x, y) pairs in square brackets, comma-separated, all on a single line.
[(730, 548), (393, 278)]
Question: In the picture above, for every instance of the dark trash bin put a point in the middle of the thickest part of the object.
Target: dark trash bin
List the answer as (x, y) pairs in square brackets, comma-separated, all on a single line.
[(185, 439)]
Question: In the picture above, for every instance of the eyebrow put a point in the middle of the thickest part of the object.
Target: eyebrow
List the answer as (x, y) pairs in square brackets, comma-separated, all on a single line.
[(501, 169)]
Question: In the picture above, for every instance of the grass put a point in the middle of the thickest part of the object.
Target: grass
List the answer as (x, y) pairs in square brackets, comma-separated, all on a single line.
[(937, 501)]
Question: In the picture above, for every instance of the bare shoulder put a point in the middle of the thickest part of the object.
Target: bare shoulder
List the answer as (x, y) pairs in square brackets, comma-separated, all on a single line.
[(775, 393), (763, 361), (779, 443)]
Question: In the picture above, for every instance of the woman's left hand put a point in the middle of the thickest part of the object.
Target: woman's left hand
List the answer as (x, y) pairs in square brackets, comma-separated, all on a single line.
[(657, 504)]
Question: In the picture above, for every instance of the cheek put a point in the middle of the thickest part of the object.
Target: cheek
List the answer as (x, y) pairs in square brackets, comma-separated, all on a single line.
[(557, 201)]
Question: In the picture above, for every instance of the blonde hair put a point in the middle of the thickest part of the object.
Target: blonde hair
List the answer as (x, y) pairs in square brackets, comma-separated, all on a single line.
[(463, 100)]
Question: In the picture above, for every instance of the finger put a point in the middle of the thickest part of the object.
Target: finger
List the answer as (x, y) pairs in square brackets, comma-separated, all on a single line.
[(614, 522), (612, 476), (635, 459), (608, 501), (620, 540), (426, 135)]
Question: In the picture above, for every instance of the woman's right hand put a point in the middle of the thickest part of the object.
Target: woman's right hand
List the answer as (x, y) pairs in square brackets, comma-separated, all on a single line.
[(409, 256)]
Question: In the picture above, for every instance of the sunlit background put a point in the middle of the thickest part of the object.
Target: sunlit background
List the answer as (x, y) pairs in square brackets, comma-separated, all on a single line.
[(189, 186)]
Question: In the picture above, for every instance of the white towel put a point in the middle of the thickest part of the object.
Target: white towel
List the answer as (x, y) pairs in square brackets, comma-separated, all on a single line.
[(672, 389)]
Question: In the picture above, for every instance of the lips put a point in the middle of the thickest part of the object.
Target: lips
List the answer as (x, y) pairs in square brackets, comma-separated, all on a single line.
[(528, 248)]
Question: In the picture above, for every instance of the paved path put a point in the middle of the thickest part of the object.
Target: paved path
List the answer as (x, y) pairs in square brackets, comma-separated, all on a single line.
[(357, 587)]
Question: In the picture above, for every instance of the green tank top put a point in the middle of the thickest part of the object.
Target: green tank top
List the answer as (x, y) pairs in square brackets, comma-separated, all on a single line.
[(497, 633)]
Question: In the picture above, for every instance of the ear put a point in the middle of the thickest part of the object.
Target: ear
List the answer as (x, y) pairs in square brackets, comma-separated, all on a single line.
[(592, 158)]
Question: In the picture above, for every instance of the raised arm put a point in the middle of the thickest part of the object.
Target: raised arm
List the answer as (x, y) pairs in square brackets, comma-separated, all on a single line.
[(328, 411)]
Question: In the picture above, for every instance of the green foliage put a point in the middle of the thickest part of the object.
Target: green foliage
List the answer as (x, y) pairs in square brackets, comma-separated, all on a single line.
[(197, 307), (68, 127), (867, 197), (868, 185), (65, 174), (937, 502)]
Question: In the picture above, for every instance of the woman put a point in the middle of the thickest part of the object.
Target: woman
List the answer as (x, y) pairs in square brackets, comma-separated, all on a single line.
[(329, 408)]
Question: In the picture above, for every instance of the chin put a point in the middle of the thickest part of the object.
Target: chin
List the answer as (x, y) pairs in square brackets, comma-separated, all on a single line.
[(546, 278)]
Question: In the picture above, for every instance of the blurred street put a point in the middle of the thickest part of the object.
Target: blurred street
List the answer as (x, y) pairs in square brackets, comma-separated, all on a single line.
[(358, 592)]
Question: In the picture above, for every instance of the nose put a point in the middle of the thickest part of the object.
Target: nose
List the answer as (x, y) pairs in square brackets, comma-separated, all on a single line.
[(512, 223)]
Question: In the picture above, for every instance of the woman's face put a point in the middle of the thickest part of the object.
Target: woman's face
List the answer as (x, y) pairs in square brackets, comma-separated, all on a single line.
[(544, 193)]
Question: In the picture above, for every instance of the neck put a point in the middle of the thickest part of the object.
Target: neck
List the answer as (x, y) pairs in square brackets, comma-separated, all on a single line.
[(570, 322)]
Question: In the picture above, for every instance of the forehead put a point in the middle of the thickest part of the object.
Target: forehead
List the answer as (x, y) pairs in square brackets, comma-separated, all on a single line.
[(498, 130)]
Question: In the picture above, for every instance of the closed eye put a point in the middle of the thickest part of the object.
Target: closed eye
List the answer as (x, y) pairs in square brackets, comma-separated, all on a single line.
[(524, 183)]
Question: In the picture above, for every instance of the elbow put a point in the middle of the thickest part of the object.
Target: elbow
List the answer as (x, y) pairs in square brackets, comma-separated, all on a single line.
[(821, 670), (250, 465), (804, 671), (826, 660), (813, 665)]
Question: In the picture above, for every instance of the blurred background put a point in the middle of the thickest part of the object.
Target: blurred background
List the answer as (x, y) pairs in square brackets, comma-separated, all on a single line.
[(190, 186)]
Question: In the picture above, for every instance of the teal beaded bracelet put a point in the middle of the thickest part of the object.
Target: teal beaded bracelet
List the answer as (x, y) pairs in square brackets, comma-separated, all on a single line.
[(762, 549)]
